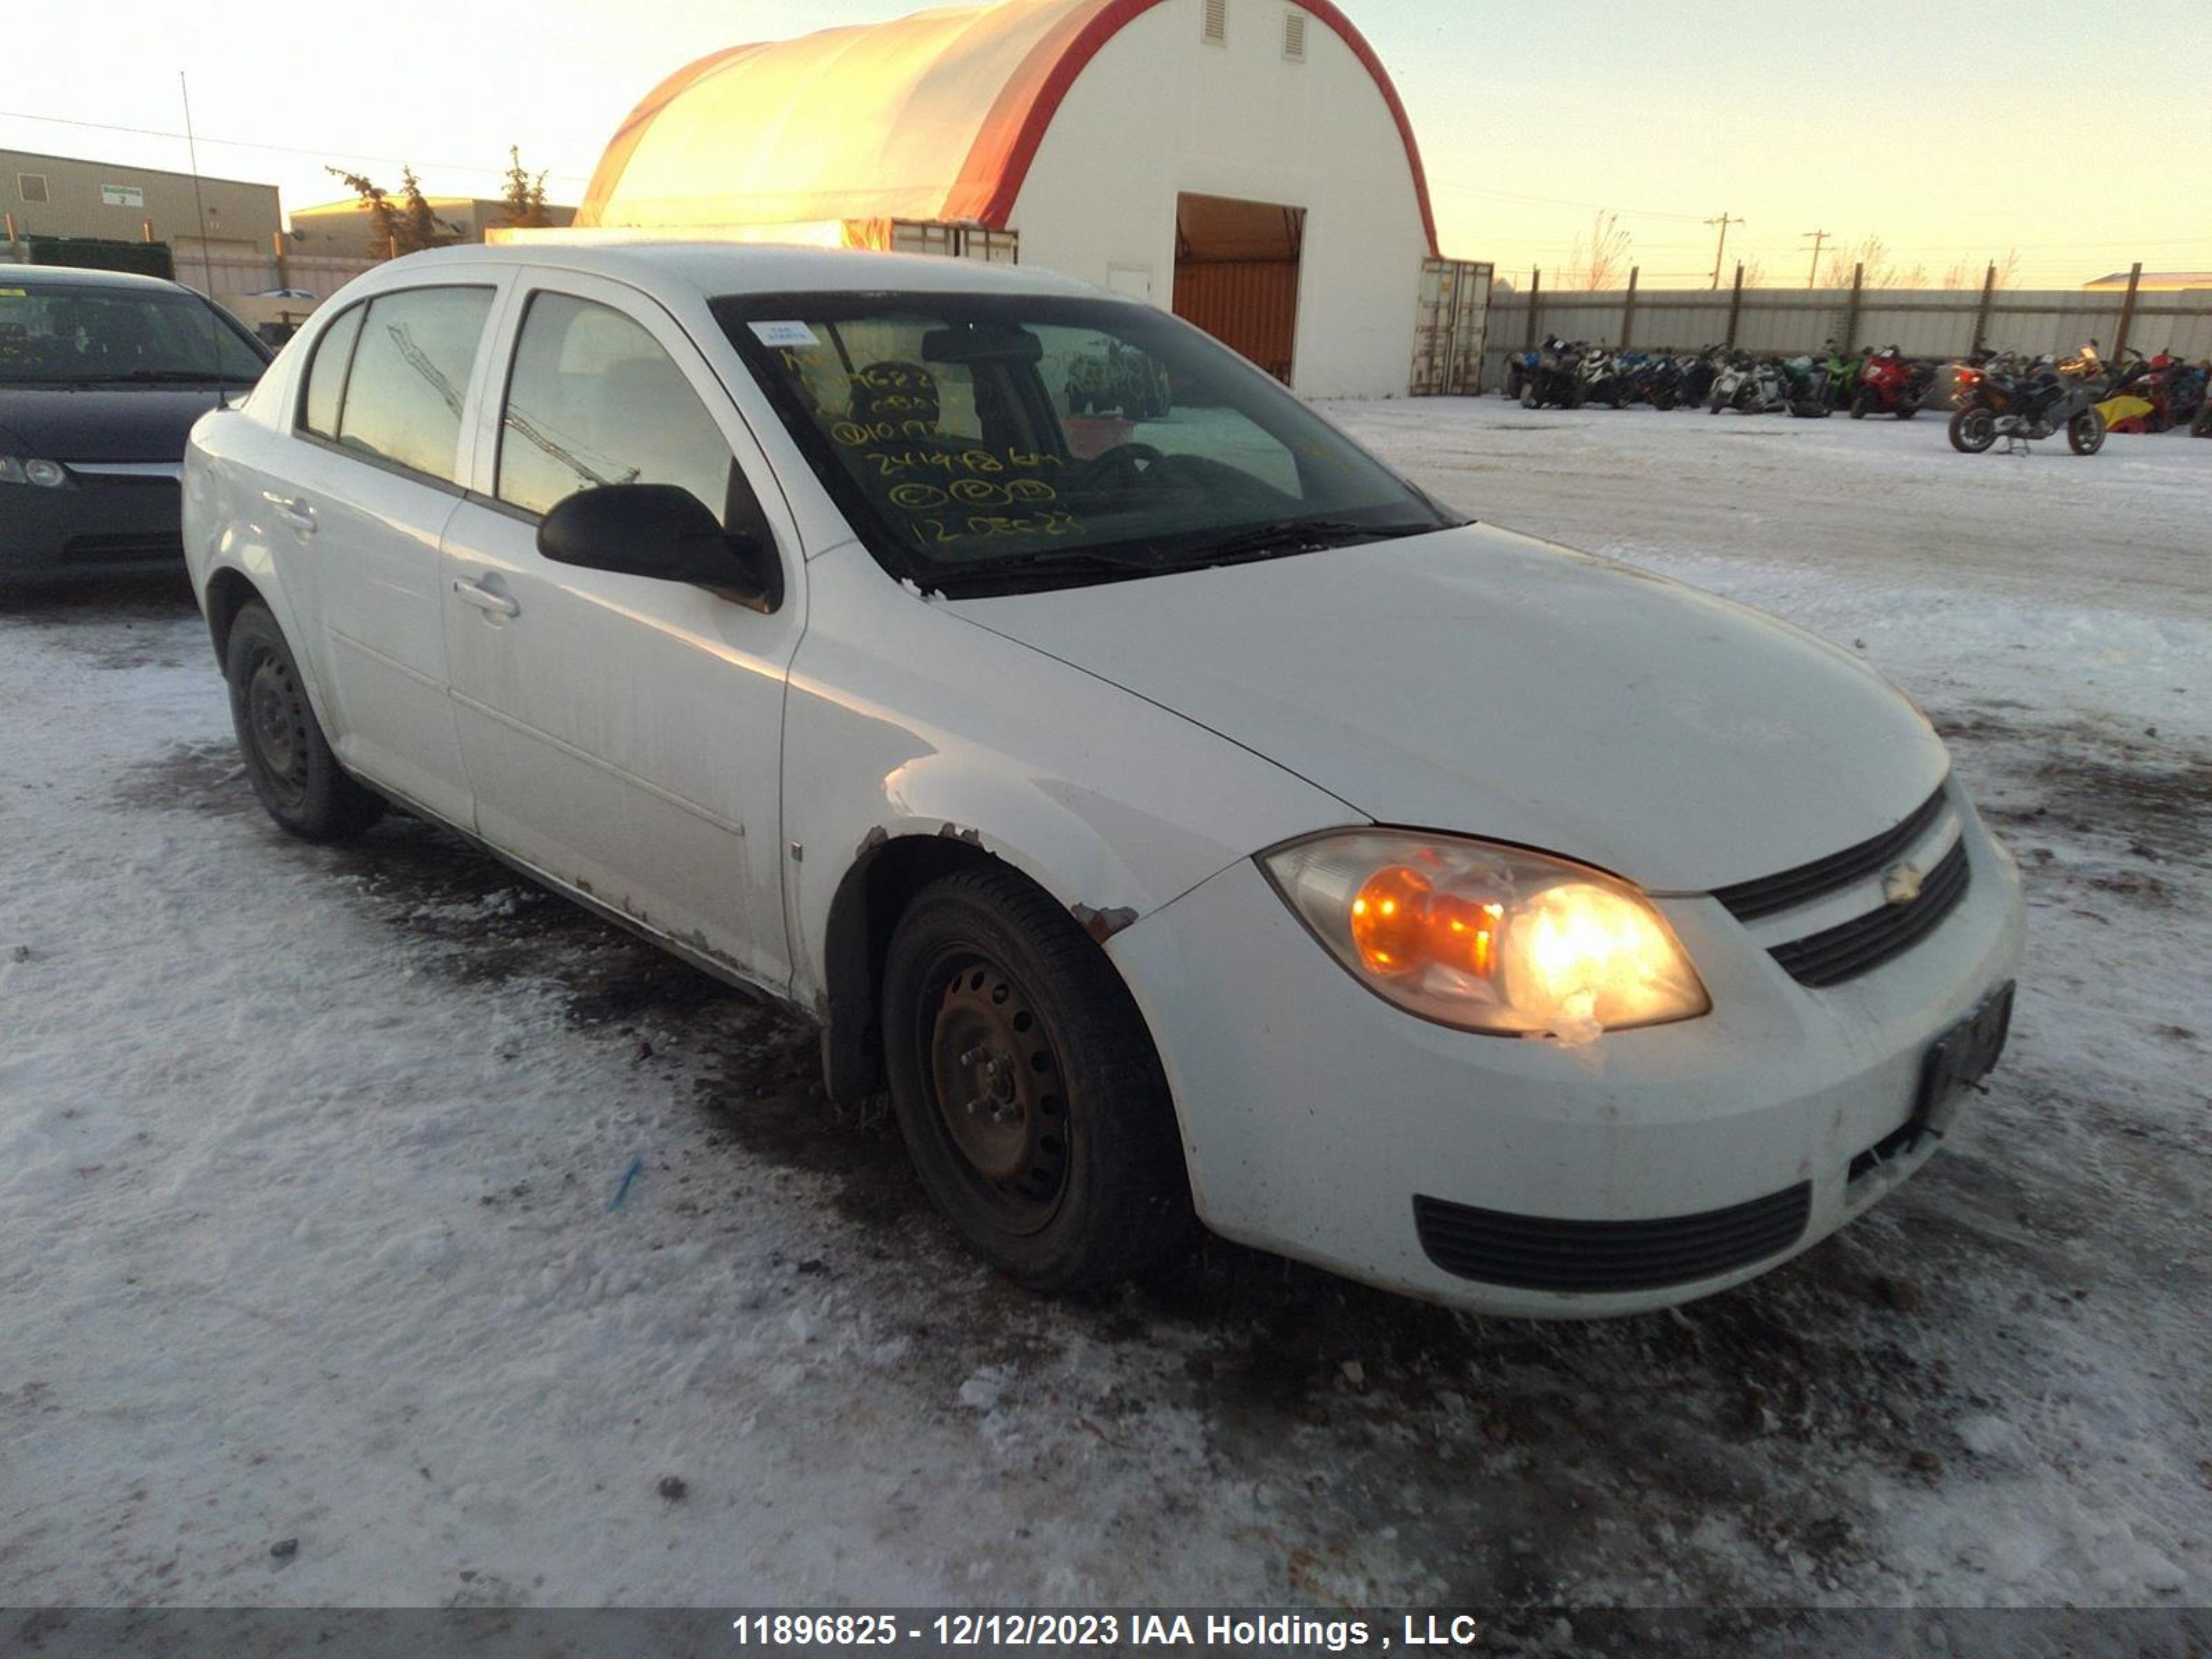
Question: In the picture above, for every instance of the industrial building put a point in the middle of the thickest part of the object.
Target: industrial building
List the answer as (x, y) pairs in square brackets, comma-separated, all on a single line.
[(341, 229), (1246, 162), (57, 196)]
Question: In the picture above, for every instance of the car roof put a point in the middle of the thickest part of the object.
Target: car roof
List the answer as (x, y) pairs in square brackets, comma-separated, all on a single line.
[(716, 269), (81, 277)]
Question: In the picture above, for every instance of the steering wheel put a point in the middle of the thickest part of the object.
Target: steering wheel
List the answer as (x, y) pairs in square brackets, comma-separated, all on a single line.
[(1129, 464)]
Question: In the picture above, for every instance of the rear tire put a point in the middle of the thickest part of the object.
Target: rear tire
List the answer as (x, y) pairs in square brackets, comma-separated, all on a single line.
[(1907, 409), (2084, 432), (1067, 1172), (1973, 429), (287, 759)]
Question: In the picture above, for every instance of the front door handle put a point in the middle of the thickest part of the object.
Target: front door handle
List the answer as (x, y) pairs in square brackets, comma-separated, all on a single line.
[(293, 511), (486, 599)]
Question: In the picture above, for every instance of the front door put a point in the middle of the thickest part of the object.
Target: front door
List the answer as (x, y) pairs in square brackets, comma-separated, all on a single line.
[(621, 734)]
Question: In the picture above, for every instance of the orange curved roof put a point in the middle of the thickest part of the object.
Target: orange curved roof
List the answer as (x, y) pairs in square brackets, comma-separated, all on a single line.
[(936, 116)]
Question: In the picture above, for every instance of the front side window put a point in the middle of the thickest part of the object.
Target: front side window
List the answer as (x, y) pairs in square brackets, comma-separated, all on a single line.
[(411, 377), (988, 442), (594, 400), (53, 335)]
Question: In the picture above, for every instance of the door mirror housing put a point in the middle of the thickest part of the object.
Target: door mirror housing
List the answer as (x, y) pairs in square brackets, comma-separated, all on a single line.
[(663, 532)]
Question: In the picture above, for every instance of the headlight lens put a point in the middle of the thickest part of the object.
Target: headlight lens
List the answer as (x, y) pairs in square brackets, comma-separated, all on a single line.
[(49, 474), (1489, 938)]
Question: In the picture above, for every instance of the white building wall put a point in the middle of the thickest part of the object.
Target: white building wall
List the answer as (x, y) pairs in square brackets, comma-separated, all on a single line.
[(1159, 111)]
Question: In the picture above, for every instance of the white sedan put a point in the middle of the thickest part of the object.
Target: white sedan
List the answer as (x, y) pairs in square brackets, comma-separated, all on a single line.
[(1178, 812)]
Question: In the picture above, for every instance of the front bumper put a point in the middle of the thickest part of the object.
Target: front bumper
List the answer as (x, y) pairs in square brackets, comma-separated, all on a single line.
[(1315, 1115), (99, 523)]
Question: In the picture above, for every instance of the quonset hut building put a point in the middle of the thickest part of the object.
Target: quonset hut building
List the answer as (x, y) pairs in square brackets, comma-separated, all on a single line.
[(1246, 162)]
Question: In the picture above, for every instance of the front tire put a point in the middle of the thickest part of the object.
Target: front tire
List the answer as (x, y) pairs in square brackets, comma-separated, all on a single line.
[(1973, 429), (1861, 406), (2084, 432), (287, 759), (1027, 1089)]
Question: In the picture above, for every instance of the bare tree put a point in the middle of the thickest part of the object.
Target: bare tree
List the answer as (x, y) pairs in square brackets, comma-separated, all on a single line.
[(1602, 259), (1881, 267)]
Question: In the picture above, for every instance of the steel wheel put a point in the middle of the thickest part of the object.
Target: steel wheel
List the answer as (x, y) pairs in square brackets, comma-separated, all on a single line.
[(277, 724), (996, 1084), (287, 759)]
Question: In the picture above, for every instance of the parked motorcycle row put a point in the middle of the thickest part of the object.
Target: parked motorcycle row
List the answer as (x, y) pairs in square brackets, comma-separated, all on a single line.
[(1992, 394)]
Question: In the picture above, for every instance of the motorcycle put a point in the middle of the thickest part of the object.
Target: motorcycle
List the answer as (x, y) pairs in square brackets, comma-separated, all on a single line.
[(1555, 377), (2049, 398), (1749, 385), (1890, 384), (1844, 369)]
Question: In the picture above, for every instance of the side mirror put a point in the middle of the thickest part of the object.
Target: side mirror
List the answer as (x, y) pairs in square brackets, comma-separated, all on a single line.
[(663, 533)]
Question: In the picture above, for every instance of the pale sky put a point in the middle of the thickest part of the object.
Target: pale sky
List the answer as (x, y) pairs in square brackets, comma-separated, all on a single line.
[(1954, 129)]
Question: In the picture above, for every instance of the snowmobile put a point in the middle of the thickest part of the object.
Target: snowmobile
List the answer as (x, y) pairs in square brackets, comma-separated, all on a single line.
[(1603, 380), (1555, 377), (1748, 386)]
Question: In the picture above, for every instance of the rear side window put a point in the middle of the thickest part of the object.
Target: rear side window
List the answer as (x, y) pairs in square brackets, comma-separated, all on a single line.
[(594, 400), (411, 377), (326, 374)]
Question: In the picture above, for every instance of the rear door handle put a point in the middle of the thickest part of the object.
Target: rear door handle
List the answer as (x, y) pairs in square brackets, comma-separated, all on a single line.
[(293, 511), (485, 599)]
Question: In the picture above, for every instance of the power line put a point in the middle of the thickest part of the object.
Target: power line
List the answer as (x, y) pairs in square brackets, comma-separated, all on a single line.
[(1559, 201), (280, 149)]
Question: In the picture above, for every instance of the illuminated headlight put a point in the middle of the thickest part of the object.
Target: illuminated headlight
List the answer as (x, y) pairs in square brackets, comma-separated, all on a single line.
[(49, 475), (1488, 939)]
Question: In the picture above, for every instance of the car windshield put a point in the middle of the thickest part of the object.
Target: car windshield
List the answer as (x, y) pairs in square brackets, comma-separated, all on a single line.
[(53, 335), (998, 442)]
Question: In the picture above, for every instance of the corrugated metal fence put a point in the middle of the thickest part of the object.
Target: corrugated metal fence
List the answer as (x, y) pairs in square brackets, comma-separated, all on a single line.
[(226, 279), (1923, 323)]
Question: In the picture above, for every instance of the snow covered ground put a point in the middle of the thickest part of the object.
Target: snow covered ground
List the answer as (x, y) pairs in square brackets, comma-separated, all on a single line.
[(308, 1157)]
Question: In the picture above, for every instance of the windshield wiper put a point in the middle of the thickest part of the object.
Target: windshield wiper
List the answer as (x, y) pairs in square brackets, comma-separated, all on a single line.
[(1047, 565), (173, 377), (1298, 536)]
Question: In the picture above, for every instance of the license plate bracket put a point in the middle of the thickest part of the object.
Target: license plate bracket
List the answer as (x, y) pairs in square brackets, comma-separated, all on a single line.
[(1957, 1061)]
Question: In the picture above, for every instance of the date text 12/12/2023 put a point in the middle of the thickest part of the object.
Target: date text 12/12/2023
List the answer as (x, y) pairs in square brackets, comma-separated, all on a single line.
[(982, 1632)]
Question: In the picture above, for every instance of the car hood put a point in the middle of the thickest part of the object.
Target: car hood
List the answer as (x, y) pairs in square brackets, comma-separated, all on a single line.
[(100, 423), (1482, 682)]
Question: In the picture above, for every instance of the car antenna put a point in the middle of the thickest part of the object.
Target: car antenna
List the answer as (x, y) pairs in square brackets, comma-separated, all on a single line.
[(207, 267)]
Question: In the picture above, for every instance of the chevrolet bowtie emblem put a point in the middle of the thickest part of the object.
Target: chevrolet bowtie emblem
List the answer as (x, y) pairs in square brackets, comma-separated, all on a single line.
[(1900, 883)]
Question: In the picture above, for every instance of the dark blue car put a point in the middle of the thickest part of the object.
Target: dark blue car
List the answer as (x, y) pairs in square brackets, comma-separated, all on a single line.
[(101, 376)]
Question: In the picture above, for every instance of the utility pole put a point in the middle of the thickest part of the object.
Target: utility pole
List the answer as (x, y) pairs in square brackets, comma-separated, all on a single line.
[(1818, 237), (1721, 252)]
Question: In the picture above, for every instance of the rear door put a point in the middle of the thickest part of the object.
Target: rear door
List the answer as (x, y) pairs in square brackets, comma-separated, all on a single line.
[(370, 483), (621, 734)]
